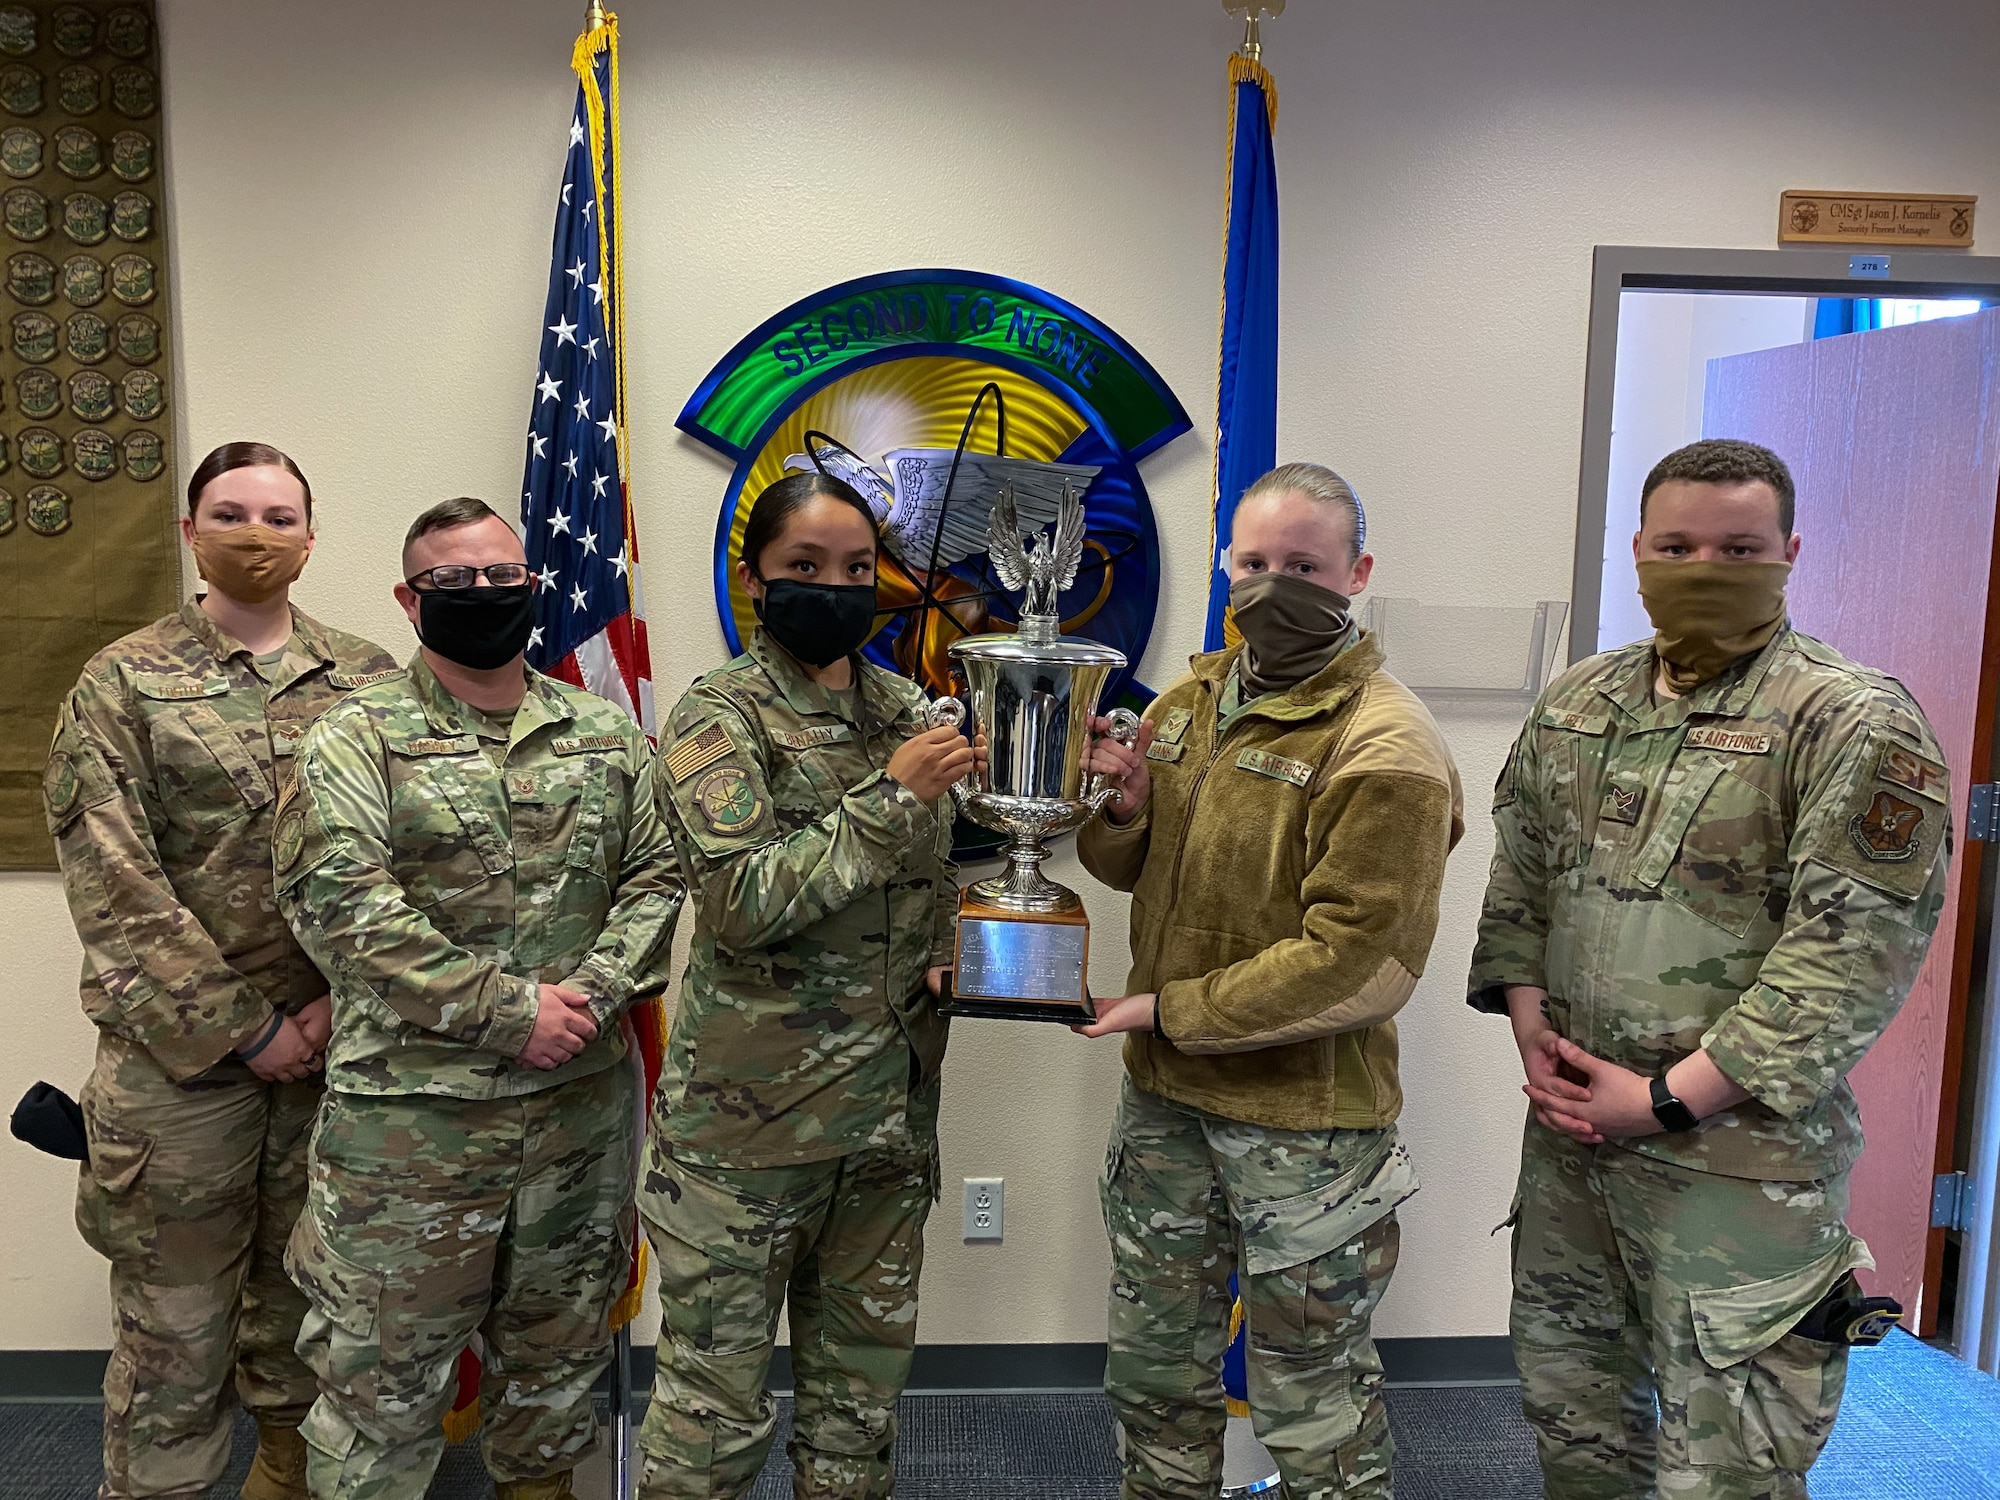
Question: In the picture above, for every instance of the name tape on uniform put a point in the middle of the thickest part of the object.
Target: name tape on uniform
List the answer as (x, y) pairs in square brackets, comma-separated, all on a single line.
[(1165, 750), (462, 745), (1739, 741), (704, 747), (1574, 722), (1264, 763), (806, 739)]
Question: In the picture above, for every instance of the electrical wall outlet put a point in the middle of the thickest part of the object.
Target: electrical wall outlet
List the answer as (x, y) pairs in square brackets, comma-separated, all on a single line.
[(985, 1197)]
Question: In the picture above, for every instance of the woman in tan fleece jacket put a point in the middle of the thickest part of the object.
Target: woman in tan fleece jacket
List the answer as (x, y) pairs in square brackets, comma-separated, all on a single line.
[(1287, 812)]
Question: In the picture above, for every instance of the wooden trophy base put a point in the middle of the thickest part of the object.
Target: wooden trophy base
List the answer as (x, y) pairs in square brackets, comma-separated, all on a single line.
[(1020, 966)]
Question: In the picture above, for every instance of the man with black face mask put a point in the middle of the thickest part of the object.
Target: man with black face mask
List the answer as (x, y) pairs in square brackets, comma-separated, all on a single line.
[(471, 852), (1720, 857)]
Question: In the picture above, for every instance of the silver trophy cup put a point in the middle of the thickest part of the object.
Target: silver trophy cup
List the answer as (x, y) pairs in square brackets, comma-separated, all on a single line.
[(1023, 940)]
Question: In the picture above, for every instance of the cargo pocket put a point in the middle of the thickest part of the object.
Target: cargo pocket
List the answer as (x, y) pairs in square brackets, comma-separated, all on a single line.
[(714, 1298), (339, 1338), (114, 1209), (1762, 1395), (1316, 1272)]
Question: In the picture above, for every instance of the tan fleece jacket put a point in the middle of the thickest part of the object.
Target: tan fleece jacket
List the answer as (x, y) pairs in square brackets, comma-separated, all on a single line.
[(1284, 886)]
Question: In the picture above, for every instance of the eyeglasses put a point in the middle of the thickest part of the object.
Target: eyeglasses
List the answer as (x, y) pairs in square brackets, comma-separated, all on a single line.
[(463, 576)]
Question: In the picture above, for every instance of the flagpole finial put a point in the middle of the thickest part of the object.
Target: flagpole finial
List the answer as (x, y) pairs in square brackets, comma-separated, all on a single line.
[(594, 15), (1249, 14)]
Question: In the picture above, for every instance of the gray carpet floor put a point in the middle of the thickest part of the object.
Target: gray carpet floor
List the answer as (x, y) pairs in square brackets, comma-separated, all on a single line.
[(1916, 1425)]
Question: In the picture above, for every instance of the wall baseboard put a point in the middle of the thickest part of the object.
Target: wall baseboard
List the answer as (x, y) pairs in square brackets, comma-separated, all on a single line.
[(78, 1374)]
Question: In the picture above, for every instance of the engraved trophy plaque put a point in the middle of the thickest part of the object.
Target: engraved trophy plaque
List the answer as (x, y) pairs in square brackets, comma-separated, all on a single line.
[(1024, 941)]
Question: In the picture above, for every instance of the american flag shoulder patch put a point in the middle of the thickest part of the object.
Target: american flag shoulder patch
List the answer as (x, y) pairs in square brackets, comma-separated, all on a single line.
[(704, 747)]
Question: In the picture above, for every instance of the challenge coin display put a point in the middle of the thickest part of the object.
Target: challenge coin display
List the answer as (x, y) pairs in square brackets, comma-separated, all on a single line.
[(85, 425)]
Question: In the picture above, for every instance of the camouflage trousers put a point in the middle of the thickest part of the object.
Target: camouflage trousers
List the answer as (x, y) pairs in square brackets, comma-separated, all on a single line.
[(1652, 1316), (432, 1219), (845, 1239), (189, 1192), (1308, 1221)]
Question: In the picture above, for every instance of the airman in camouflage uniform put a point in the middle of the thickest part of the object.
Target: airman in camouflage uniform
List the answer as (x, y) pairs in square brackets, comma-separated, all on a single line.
[(1752, 869), (794, 1134), (160, 789), (442, 866)]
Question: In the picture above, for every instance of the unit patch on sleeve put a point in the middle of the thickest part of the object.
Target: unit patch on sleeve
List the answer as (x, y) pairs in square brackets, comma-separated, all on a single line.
[(1740, 741), (806, 739), (728, 801), (1264, 763), (704, 747), (1888, 828), (1909, 770)]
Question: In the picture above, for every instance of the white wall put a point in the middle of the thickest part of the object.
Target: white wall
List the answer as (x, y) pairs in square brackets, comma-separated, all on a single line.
[(361, 199), (1665, 341)]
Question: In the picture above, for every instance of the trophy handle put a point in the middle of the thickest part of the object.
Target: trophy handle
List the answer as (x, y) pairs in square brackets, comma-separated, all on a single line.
[(949, 713), (1124, 728)]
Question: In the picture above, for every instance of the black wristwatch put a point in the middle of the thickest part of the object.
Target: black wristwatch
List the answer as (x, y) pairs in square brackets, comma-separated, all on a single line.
[(1674, 1116)]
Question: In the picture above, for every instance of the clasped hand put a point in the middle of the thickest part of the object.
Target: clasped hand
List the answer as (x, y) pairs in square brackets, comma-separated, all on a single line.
[(1582, 1096), (563, 1028)]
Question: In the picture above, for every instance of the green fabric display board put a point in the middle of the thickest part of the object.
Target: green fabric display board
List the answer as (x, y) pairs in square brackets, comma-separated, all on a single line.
[(87, 548)]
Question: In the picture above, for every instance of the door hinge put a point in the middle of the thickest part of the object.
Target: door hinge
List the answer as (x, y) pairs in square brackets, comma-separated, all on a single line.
[(1951, 1201), (1982, 813)]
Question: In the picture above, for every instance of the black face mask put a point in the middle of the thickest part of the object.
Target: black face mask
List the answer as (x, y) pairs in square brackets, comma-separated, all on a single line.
[(481, 627), (817, 622)]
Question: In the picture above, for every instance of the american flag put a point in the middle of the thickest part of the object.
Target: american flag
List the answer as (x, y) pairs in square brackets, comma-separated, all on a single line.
[(590, 621)]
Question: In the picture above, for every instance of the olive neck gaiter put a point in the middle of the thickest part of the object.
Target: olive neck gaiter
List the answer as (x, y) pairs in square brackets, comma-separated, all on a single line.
[(1708, 614), (1291, 627), (249, 563)]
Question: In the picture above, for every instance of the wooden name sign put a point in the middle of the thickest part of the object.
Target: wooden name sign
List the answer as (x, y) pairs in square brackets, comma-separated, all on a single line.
[(1943, 219)]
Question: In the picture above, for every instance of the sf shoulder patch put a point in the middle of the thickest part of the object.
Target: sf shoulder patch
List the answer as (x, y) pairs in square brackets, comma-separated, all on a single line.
[(1888, 832), (692, 752), (1264, 763), (728, 801)]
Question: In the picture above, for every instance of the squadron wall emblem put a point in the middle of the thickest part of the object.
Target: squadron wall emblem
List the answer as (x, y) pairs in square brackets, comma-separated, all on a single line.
[(25, 213), (39, 393), (31, 278), (20, 152), (48, 510), (79, 152), (90, 396)]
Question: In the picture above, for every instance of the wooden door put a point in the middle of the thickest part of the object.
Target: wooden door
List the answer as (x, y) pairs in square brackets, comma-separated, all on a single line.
[(1894, 439)]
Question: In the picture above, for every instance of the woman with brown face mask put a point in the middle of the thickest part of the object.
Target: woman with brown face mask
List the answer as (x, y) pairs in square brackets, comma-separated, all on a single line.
[(160, 792)]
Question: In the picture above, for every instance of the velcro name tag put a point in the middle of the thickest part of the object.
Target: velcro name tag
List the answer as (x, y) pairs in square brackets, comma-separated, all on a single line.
[(352, 680), (806, 739), (1264, 763), (173, 688), (1167, 750), (1738, 741), (464, 744), (1575, 723), (1912, 772), (578, 744), (704, 747)]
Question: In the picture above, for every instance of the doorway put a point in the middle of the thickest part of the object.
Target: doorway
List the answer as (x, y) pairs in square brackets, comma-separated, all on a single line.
[(1877, 377)]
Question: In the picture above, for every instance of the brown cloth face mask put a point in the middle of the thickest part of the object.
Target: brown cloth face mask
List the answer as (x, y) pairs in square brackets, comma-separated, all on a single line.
[(1291, 627), (249, 563), (1709, 614)]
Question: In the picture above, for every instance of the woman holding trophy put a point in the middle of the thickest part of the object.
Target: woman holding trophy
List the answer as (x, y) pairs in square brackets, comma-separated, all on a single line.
[(793, 1146), (1286, 815)]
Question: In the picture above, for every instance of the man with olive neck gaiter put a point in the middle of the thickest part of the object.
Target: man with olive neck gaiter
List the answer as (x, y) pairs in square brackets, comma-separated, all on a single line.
[(1721, 856), (1285, 820), (471, 852)]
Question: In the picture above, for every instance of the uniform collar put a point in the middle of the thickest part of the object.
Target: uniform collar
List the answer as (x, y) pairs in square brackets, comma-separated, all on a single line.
[(449, 718), (1727, 695), (1324, 691), (305, 651), (805, 696)]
